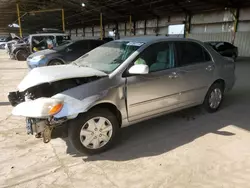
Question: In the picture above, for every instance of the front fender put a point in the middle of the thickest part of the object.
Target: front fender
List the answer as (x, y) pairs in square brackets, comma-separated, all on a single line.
[(73, 106)]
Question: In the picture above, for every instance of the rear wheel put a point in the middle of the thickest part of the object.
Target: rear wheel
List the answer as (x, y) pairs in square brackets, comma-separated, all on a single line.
[(94, 132), (214, 98), (21, 55)]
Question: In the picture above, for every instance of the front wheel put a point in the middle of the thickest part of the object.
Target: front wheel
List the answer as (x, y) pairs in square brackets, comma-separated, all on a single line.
[(94, 132), (214, 98)]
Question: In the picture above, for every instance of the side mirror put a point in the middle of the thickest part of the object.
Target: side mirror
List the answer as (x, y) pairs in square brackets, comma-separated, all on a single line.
[(139, 69)]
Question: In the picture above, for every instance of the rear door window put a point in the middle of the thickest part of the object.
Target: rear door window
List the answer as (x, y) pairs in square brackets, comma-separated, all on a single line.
[(42, 42), (189, 53)]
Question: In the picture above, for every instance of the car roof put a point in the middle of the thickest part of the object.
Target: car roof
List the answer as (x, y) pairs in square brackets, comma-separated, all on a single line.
[(150, 39), (217, 42), (73, 41), (48, 34)]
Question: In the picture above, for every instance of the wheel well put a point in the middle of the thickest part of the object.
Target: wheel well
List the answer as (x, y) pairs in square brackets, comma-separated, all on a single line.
[(220, 81), (112, 108)]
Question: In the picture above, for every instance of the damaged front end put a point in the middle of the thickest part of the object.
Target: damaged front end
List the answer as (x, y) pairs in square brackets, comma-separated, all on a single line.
[(43, 128), (41, 108)]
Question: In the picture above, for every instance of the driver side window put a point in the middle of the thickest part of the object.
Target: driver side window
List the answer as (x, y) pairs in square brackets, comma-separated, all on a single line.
[(158, 57)]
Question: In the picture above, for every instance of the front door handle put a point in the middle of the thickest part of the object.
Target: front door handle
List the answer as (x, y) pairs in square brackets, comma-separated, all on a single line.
[(210, 68)]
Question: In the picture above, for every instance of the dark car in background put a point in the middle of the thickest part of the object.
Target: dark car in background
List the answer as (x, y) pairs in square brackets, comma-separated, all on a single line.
[(225, 49), (62, 54)]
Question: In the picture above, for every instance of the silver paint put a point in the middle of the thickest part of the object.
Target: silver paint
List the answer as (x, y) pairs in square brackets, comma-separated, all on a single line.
[(141, 97)]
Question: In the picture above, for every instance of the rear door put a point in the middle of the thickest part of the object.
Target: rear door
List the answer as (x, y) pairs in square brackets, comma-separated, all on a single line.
[(196, 70)]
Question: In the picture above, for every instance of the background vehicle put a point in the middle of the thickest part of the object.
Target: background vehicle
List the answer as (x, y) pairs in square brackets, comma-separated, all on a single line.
[(62, 54), (121, 83), (3, 41), (225, 49), (37, 42)]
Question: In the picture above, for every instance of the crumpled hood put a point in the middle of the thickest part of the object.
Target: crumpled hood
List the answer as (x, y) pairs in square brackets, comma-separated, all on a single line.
[(49, 74)]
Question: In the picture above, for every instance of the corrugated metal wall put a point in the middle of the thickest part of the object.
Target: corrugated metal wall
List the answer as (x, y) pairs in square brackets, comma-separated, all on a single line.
[(218, 26), (242, 41), (227, 36)]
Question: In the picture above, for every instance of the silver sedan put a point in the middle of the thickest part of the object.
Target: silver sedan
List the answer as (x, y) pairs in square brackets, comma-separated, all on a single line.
[(122, 83)]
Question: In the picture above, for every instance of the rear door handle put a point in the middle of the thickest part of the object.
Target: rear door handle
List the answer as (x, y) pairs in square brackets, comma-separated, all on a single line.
[(173, 75), (210, 68)]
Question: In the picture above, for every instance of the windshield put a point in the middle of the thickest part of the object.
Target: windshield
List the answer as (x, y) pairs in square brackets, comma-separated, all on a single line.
[(109, 56)]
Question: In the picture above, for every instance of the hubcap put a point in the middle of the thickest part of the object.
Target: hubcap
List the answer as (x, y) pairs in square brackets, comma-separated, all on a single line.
[(96, 133), (215, 98)]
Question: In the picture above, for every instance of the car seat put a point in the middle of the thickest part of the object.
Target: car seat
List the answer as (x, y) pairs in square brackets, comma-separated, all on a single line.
[(162, 61)]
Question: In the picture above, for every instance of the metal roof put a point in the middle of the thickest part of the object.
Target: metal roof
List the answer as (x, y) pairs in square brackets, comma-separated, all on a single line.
[(113, 10)]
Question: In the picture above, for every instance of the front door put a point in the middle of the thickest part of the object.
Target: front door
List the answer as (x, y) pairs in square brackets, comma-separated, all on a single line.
[(195, 72), (156, 92)]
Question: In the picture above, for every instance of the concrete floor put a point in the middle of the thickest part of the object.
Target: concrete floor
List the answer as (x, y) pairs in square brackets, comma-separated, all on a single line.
[(188, 149)]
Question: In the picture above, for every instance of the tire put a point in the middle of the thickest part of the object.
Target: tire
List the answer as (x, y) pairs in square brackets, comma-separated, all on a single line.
[(217, 91), (55, 62), (21, 55), (83, 125)]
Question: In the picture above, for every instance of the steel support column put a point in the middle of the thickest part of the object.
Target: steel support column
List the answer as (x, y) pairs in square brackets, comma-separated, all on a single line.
[(19, 20), (130, 25), (101, 27), (63, 20)]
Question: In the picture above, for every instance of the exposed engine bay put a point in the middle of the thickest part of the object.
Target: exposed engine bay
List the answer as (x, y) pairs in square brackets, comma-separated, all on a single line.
[(47, 89), (43, 127)]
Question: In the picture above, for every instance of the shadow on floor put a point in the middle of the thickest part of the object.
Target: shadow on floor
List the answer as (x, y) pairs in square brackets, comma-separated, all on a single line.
[(4, 103), (157, 136), (13, 69)]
